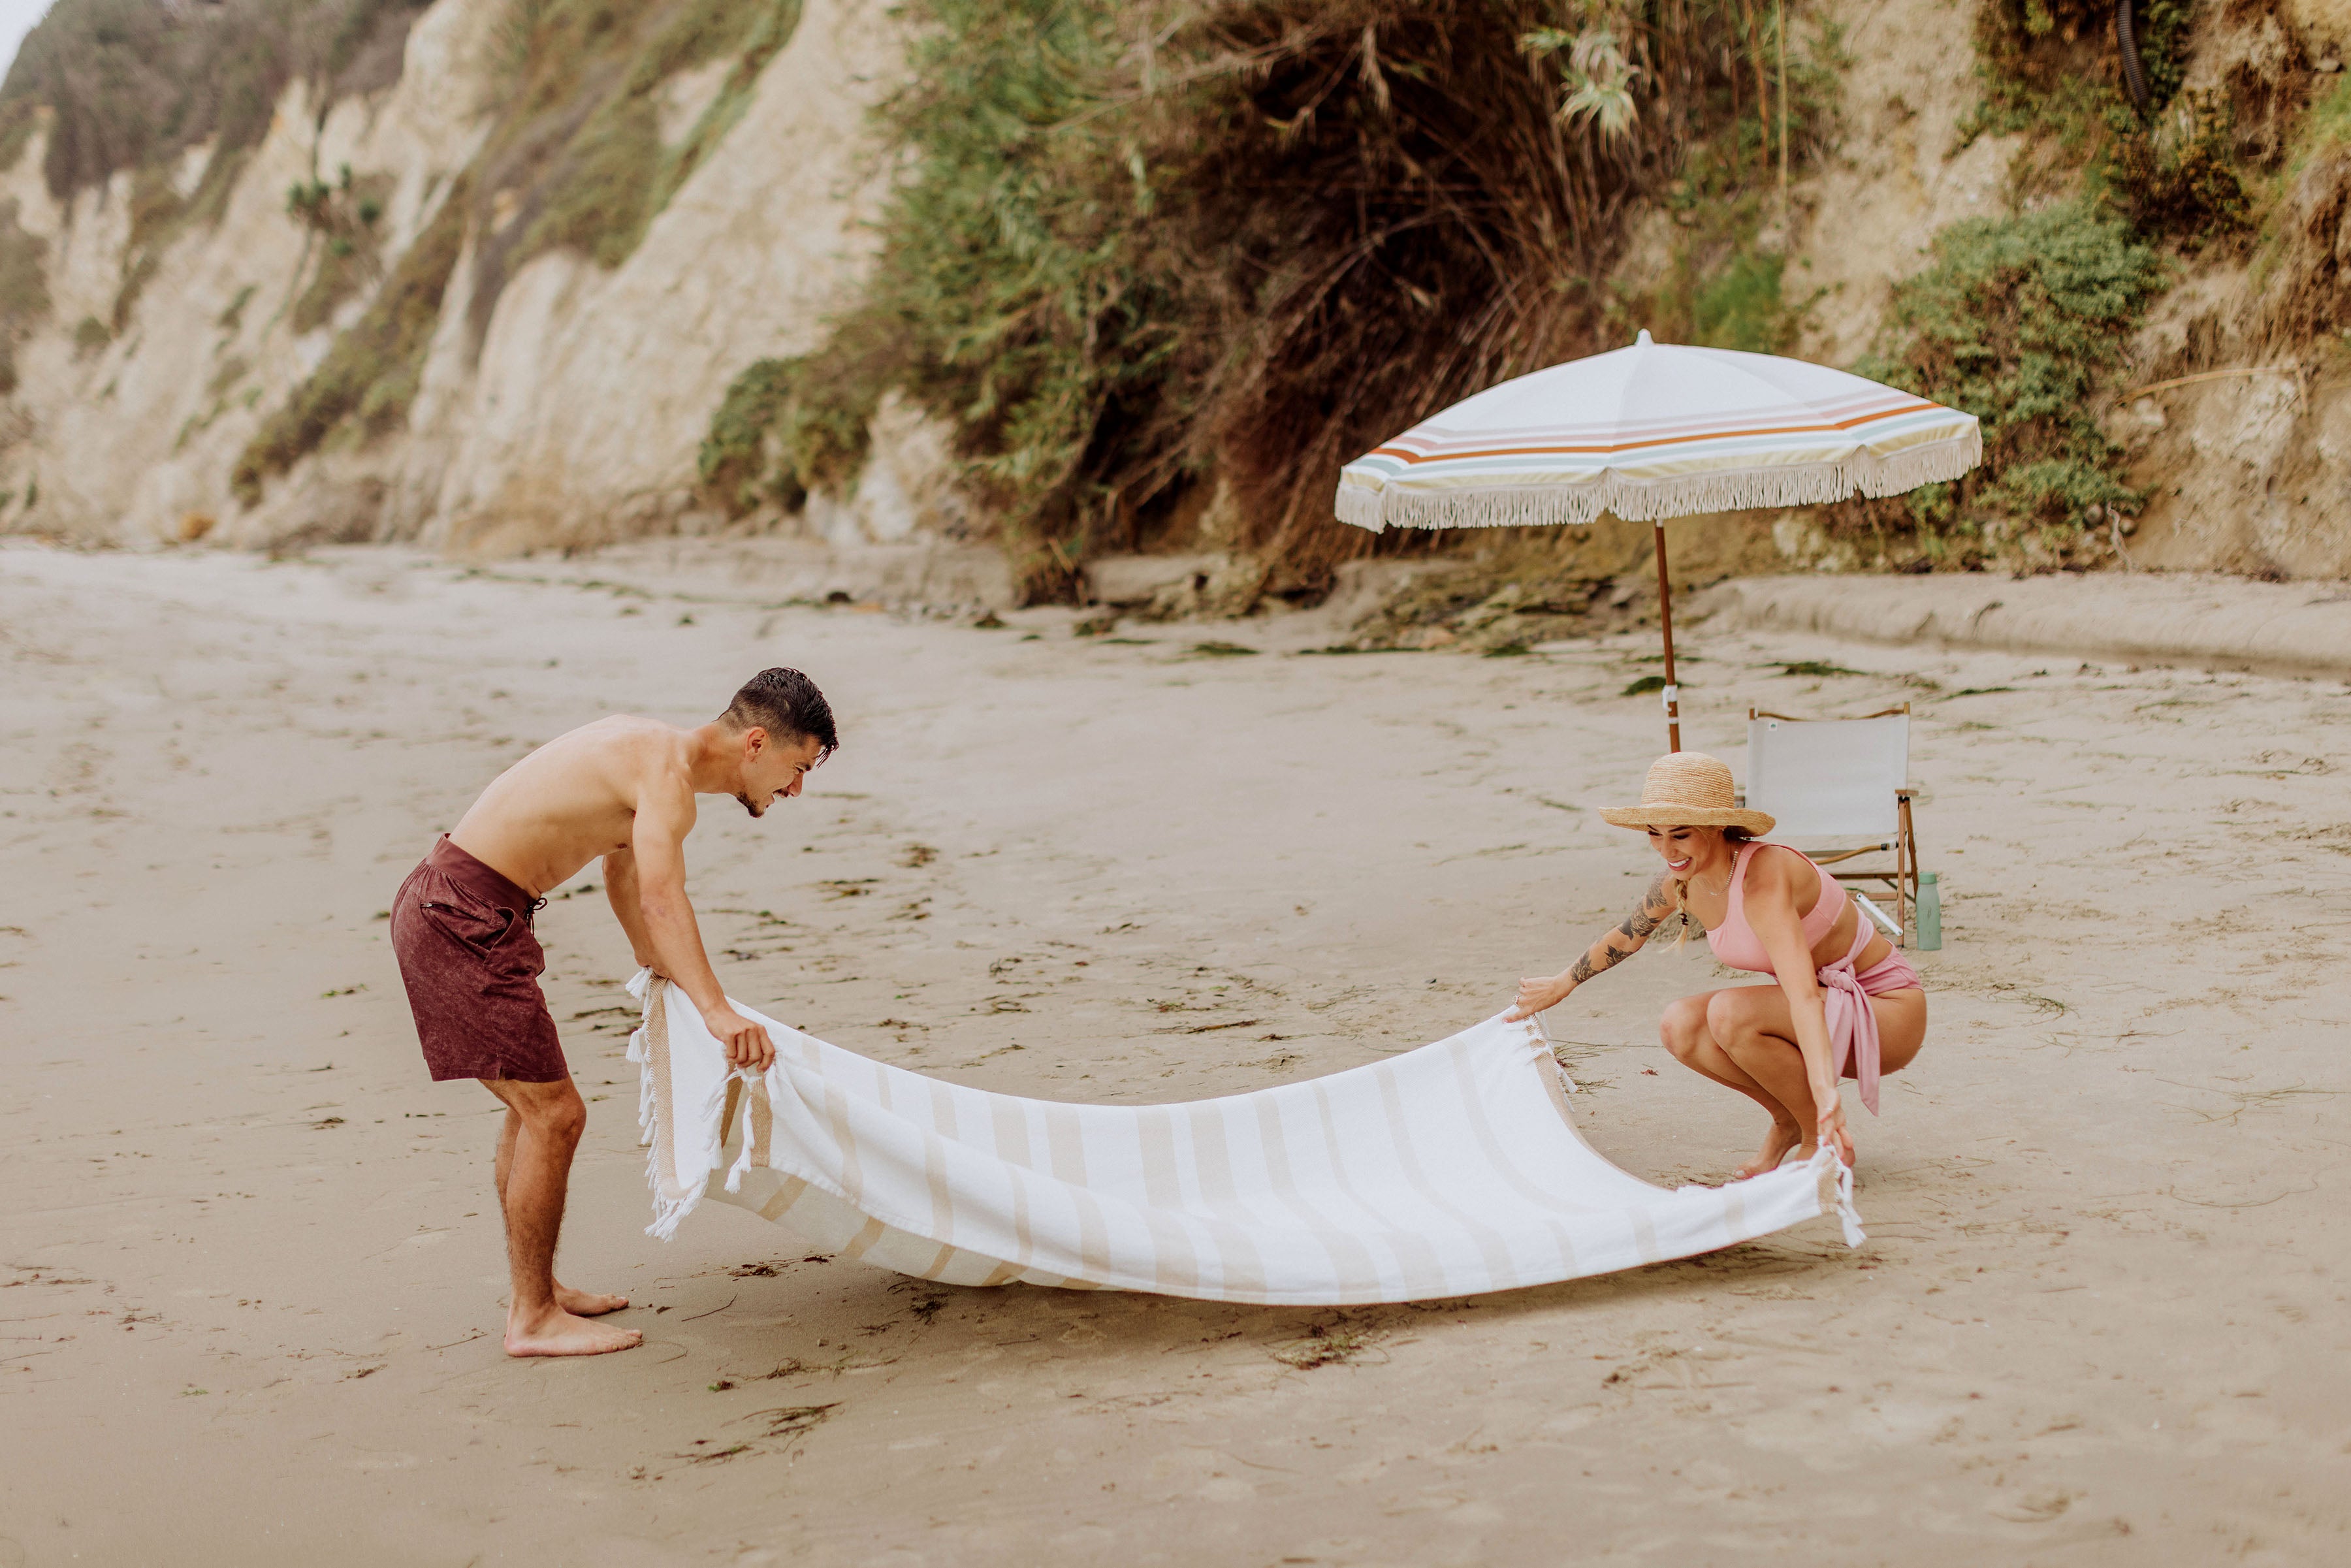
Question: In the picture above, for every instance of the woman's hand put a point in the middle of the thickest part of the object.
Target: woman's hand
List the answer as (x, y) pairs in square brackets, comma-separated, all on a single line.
[(1834, 1135), (1537, 993)]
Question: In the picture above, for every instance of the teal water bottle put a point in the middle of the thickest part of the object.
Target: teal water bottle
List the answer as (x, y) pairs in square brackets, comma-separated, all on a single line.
[(1930, 911)]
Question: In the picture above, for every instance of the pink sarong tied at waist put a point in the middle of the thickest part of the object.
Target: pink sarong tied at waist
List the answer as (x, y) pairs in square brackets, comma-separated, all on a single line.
[(1852, 1023)]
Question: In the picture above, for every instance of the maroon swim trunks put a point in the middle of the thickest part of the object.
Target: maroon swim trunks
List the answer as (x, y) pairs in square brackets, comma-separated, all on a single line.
[(472, 964)]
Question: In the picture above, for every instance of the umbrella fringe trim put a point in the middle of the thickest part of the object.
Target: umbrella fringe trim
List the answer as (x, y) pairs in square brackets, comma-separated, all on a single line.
[(1360, 507), (1654, 500)]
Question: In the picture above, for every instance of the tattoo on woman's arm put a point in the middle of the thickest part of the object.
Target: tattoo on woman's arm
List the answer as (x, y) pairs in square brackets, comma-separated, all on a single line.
[(1605, 955), (1641, 924), (1636, 928)]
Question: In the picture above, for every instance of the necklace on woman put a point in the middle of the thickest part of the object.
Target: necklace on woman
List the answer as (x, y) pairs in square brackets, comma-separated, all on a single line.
[(1722, 892)]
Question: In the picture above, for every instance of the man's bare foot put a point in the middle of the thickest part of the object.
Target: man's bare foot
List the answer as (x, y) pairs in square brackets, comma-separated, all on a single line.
[(586, 1303), (558, 1332), (1783, 1136)]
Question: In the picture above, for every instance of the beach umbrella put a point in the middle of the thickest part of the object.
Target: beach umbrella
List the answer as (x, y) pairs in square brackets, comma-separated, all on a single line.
[(1653, 431)]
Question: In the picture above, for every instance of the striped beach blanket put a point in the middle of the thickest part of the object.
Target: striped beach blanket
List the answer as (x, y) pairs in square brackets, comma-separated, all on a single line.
[(1450, 1170)]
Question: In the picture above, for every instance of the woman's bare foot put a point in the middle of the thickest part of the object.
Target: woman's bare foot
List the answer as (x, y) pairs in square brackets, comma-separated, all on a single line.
[(586, 1303), (1783, 1136), (557, 1332)]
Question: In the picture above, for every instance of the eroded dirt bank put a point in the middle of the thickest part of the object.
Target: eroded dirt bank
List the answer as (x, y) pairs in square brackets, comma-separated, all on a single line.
[(251, 1284)]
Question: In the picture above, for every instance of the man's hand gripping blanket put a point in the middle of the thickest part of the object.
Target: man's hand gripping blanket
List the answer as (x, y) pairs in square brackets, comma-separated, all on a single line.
[(1451, 1170)]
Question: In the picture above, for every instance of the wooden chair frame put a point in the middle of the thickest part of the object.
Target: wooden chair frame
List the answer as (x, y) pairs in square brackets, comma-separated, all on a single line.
[(1902, 881)]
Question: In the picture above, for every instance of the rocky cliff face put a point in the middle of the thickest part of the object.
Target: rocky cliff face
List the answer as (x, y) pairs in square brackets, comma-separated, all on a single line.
[(563, 402), (573, 417)]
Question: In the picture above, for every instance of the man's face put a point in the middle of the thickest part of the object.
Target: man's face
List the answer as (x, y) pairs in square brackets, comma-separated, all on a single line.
[(773, 770)]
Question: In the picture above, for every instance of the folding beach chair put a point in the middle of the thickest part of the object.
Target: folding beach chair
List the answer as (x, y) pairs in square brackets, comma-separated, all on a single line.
[(1831, 783)]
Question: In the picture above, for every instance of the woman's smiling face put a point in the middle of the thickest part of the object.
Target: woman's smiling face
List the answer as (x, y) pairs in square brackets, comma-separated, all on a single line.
[(1684, 849)]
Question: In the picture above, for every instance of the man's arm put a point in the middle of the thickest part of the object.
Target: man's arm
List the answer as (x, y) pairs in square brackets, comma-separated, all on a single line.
[(621, 887), (657, 844)]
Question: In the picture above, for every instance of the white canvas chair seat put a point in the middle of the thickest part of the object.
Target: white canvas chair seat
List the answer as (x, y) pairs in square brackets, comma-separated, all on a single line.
[(1839, 789)]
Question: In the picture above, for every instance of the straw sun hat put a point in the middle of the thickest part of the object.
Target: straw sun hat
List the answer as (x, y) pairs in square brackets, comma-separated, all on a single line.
[(1688, 790)]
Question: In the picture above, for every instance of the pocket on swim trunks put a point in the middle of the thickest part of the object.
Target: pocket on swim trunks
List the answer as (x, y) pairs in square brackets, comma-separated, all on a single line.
[(481, 927)]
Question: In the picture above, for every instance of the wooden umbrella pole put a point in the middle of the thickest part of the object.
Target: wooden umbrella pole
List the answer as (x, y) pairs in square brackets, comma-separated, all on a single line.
[(1666, 620), (1780, 26)]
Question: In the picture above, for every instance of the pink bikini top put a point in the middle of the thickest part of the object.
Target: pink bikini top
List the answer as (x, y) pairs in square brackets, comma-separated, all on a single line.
[(1735, 942)]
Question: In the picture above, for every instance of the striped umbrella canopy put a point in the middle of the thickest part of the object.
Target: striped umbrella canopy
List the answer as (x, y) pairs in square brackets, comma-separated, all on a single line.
[(1653, 432)]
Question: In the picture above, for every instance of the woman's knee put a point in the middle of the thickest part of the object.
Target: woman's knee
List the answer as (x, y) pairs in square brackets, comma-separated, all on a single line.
[(1728, 1018), (1682, 1027)]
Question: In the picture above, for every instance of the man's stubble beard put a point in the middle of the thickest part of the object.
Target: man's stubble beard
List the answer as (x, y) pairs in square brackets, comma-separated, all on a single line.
[(756, 812)]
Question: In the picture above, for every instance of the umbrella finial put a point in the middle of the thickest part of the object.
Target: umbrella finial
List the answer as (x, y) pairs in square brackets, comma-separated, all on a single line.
[(1643, 341)]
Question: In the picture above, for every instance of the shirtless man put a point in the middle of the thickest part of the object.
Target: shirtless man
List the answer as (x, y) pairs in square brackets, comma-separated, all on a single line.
[(624, 788)]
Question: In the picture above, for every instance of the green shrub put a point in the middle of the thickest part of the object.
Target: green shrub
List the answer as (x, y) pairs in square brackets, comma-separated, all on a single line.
[(2017, 321), (1135, 247), (734, 461), (786, 427)]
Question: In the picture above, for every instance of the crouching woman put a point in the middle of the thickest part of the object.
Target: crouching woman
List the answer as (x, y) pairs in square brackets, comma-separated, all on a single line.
[(1846, 1003)]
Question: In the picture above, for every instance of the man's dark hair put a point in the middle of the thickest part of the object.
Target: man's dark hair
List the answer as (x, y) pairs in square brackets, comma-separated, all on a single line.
[(787, 705)]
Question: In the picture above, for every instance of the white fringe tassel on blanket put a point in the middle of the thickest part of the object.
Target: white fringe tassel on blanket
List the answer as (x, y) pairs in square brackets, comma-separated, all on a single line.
[(1447, 1171)]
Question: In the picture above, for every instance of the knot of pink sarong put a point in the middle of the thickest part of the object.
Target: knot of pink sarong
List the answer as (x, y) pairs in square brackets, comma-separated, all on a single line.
[(1852, 1023)]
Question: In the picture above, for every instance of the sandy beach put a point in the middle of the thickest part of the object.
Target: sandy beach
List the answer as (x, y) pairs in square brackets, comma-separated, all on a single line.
[(252, 1283)]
